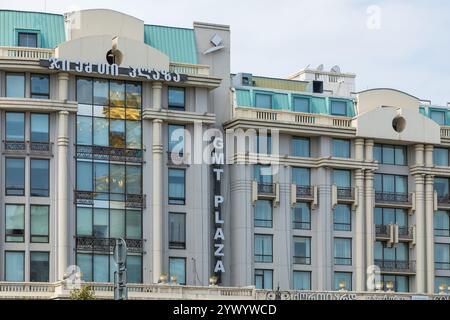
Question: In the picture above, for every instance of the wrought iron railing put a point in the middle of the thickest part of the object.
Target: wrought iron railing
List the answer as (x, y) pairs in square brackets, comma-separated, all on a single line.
[(304, 191), (109, 153), (443, 199), (94, 244), (131, 200), (381, 230), (345, 193), (266, 188), (392, 197), (396, 265), (27, 147)]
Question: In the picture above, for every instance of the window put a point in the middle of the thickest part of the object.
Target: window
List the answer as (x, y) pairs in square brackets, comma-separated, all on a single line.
[(177, 99), (440, 157), (343, 251), (176, 139), (438, 281), (401, 283), (39, 219), (15, 85), (177, 230), (385, 216), (343, 280), (390, 154), (15, 176), (96, 267), (302, 280), (263, 279), (301, 104), (263, 248), (398, 253), (302, 250), (263, 174), (301, 176), (15, 126), (438, 117), (39, 127), (39, 266), (177, 268), (27, 39), (338, 108), (301, 216), (442, 223), (117, 94), (263, 100), (342, 218), (39, 179), (341, 178), (300, 147), (177, 181), (263, 144), (117, 182), (441, 185), (15, 222), (389, 184), (341, 148), (15, 266), (40, 86), (442, 256), (263, 214), (134, 269)]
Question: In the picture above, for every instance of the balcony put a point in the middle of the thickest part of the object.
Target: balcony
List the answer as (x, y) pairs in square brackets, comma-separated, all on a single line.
[(192, 69), (27, 148), (137, 201), (400, 199), (109, 153), (304, 192), (443, 201), (384, 232), (396, 266), (25, 53), (345, 194), (106, 245)]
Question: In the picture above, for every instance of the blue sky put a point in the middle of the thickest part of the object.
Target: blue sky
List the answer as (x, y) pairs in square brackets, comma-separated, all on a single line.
[(408, 49)]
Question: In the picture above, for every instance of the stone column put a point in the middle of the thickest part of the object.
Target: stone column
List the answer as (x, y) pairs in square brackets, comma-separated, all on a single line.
[(429, 232), (157, 95), (369, 150), (370, 236), (359, 231), (157, 149), (61, 193), (420, 222), (63, 86)]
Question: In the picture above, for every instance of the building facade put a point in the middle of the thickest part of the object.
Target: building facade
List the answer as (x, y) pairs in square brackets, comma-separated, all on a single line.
[(107, 129)]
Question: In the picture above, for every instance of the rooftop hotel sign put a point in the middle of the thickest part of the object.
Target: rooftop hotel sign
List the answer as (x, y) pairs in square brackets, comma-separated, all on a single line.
[(112, 70)]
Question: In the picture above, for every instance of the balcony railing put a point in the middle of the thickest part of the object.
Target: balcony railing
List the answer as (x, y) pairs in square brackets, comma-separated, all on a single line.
[(266, 188), (305, 192), (186, 68), (131, 200), (382, 231), (345, 193), (396, 266), (106, 244), (443, 200), (109, 153), (404, 233), (25, 53), (27, 147), (392, 197)]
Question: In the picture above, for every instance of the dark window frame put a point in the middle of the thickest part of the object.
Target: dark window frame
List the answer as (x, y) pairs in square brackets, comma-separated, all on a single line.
[(48, 261), (48, 178), (259, 258), (267, 94), (294, 138), (442, 265), (43, 95), (338, 113), (48, 224), (176, 200), (24, 224), (303, 225), (6, 178), (343, 261), (48, 126), (27, 33), (24, 126), (263, 220), (185, 269), (23, 266), (178, 245), (24, 82), (341, 226), (382, 146), (178, 107), (294, 97), (262, 277), (301, 260)]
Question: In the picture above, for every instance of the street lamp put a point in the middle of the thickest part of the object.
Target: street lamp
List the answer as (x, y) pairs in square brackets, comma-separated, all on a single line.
[(389, 286), (442, 288), (342, 285)]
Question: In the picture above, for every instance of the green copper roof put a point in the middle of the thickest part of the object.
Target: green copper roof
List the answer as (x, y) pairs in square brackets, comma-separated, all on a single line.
[(177, 43), (49, 27)]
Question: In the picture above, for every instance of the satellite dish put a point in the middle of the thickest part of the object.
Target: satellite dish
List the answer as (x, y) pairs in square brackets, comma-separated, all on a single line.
[(336, 69), (320, 67)]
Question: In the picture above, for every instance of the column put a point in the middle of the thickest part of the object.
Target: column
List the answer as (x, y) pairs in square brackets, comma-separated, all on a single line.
[(157, 198), (369, 150), (157, 95), (429, 232), (61, 195), (359, 231), (63, 86), (420, 222), (370, 237)]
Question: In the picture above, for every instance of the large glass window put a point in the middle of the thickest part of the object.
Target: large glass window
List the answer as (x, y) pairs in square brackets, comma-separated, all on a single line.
[(343, 280), (338, 108), (176, 139), (40, 86), (385, 216), (39, 266), (301, 176), (97, 267), (342, 217), (441, 185), (343, 251), (263, 279), (342, 178), (302, 250), (442, 256), (263, 214), (390, 154), (388, 183), (401, 283), (134, 269), (442, 223), (15, 266), (177, 184), (177, 268), (438, 281), (300, 147), (177, 230), (264, 144), (302, 280), (301, 216), (117, 93), (15, 176), (341, 148), (438, 117), (263, 100), (176, 98), (15, 126), (39, 180), (15, 85), (263, 248), (440, 157), (399, 253), (15, 222), (27, 39), (39, 220), (301, 104), (39, 127), (263, 174)]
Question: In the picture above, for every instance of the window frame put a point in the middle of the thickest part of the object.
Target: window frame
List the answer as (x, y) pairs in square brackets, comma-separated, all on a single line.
[(24, 231), (306, 98), (185, 268), (442, 265), (383, 146), (348, 151), (343, 226), (31, 127), (23, 265), (267, 94), (441, 112), (176, 200), (348, 273), (300, 260), (263, 277), (35, 33), (302, 272), (339, 261), (6, 177), (301, 223), (31, 179), (259, 258), (6, 126), (255, 219), (296, 138), (48, 264), (177, 107), (181, 244), (332, 101), (31, 224), (443, 150), (40, 95), (447, 231), (24, 84)]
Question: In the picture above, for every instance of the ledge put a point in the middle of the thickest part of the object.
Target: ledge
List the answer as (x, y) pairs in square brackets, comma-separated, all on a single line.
[(178, 116), (37, 104)]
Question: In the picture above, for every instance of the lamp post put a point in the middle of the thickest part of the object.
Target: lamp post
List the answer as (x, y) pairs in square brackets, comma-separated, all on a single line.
[(342, 285), (389, 286)]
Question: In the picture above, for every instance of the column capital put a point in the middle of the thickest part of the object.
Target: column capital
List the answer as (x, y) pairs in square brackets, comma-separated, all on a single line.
[(359, 141), (419, 178), (157, 85), (419, 147), (369, 142), (157, 121), (429, 178), (63, 76), (369, 174), (429, 147), (359, 174)]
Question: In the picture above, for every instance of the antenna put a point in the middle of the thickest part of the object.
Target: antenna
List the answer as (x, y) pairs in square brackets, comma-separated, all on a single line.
[(336, 69), (320, 67)]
